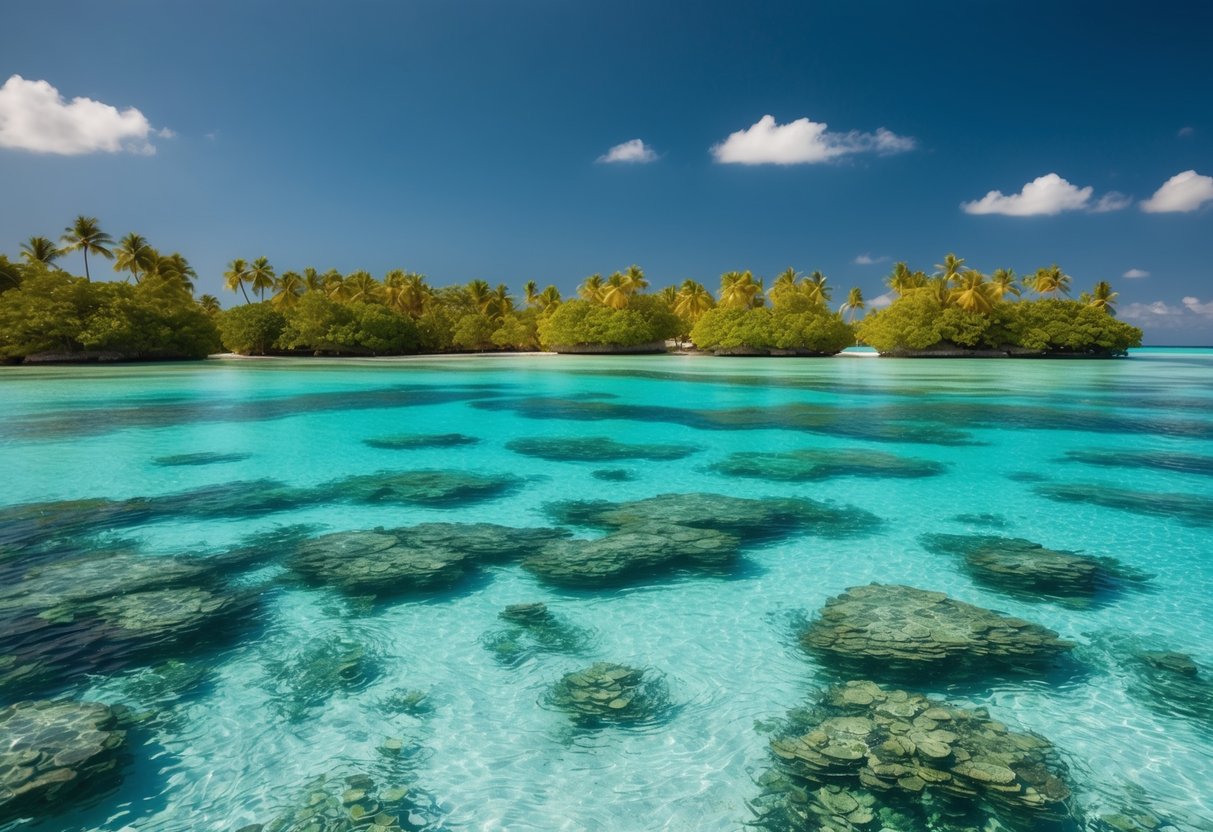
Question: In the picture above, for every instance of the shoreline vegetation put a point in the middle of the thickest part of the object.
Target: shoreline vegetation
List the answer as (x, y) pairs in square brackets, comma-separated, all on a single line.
[(48, 315)]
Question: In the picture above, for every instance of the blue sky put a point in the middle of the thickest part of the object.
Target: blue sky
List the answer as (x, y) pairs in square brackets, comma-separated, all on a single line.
[(465, 139)]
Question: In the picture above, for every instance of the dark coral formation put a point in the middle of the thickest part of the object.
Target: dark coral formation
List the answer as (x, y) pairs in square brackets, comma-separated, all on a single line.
[(56, 753), (203, 458), (865, 757), (813, 464), (749, 519), (419, 441), (533, 629), (426, 488), (1172, 461), (1027, 569), (1193, 509), (613, 475), (900, 631), (358, 802), (611, 694), (415, 558), (309, 679), (595, 449)]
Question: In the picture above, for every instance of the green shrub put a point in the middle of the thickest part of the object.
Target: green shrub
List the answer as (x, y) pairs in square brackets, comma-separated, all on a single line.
[(251, 329), (577, 322)]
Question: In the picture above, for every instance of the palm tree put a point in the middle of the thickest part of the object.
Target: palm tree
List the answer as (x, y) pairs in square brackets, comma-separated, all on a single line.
[(174, 268), (1049, 281), (591, 288), (1102, 297), (235, 276), (971, 292), (312, 281), (10, 274), (209, 304), (85, 235), (501, 304), (938, 289), (361, 286), (784, 285), (951, 268), (261, 276), (289, 287), (480, 296), (693, 300), (815, 289), (1003, 283), (669, 296), (549, 298), (901, 280), (133, 255), (615, 292), (40, 250), (739, 290), (853, 303), (334, 284), (530, 292), (634, 281)]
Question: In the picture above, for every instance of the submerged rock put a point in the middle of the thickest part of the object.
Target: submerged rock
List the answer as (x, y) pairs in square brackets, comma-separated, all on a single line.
[(1193, 509), (748, 519), (310, 678), (631, 553), (814, 464), (427, 487), (54, 753), (414, 558), (611, 694), (391, 803), (533, 629), (595, 449), (1027, 569), (902, 631), (417, 441), (987, 520), (207, 458), (613, 475), (867, 757)]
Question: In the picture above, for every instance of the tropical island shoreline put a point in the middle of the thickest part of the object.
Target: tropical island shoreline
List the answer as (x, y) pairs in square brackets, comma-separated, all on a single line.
[(48, 315)]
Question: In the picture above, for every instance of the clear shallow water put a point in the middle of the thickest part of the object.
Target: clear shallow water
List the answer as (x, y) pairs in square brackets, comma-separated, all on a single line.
[(491, 753)]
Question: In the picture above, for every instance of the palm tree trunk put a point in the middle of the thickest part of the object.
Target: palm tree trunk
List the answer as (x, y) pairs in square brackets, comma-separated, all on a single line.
[(87, 276), (245, 293)]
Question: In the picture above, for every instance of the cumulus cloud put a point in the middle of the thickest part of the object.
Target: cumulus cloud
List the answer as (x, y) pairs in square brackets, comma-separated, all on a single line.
[(634, 151), (868, 260), (1194, 305), (1153, 312), (35, 117), (802, 142), (1044, 196), (881, 301), (1183, 192), (1133, 274), (1185, 132)]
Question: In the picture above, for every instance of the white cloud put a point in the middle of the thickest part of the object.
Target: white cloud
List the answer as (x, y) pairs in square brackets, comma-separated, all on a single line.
[(802, 142), (1111, 201), (868, 260), (881, 301), (1133, 274), (634, 151), (1185, 132), (1185, 191), (1194, 305), (1156, 311), (1046, 195), (35, 117)]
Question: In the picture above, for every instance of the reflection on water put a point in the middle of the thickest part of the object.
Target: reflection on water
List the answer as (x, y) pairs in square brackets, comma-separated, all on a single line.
[(543, 594)]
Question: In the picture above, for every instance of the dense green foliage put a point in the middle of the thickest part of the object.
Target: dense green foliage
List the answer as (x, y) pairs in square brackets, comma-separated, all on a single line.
[(45, 310), (51, 311), (645, 320), (813, 330)]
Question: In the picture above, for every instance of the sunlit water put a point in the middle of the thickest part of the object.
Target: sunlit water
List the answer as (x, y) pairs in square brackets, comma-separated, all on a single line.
[(490, 752)]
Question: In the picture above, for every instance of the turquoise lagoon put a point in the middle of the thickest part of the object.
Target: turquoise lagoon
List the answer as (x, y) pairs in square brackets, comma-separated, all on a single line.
[(488, 750)]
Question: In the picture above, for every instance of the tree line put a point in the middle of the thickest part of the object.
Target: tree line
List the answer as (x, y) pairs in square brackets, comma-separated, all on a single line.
[(153, 313)]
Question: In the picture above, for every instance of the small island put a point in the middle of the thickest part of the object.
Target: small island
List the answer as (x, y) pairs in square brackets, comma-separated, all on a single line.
[(48, 315)]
